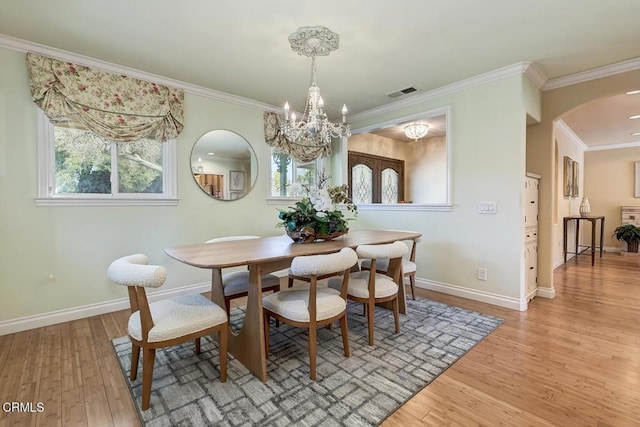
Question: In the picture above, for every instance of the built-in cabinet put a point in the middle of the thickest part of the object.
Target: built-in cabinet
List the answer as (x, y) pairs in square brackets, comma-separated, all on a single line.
[(531, 187)]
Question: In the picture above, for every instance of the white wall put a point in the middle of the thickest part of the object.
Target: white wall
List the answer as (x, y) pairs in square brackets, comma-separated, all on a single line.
[(488, 156)]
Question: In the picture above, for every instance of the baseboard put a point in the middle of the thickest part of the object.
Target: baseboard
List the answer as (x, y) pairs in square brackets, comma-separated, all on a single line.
[(473, 294), (66, 315), (546, 293)]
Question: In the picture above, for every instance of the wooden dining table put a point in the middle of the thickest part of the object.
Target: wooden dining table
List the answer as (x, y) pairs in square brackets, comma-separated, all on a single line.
[(265, 255)]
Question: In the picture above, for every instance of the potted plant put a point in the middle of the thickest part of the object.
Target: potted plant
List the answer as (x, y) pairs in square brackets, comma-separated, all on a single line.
[(628, 233), (316, 215)]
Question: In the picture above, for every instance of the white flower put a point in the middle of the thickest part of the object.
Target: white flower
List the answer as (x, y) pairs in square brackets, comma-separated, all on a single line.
[(295, 189), (321, 214)]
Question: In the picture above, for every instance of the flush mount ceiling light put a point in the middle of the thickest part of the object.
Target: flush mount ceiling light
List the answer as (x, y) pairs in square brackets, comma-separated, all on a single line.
[(634, 117), (633, 92), (416, 131), (313, 129)]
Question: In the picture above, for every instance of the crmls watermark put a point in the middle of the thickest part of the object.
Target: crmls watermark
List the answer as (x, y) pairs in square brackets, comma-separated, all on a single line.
[(23, 407)]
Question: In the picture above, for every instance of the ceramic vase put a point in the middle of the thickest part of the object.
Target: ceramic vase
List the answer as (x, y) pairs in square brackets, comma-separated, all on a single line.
[(585, 207)]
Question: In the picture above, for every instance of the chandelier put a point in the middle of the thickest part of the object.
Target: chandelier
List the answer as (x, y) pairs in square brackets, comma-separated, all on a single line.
[(416, 131), (313, 129)]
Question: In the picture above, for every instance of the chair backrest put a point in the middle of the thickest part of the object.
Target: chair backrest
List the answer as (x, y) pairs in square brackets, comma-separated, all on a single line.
[(133, 270), (318, 265), (387, 250), (229, 238), (390, 253)]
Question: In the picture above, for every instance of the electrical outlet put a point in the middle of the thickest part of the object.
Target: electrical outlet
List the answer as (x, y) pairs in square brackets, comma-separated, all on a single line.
[(482, 274)]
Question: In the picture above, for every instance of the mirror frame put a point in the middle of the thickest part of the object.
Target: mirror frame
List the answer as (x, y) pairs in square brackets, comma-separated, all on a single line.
[(249, 181)]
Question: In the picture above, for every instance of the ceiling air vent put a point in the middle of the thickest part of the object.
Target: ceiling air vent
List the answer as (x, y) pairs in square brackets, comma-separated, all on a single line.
[(402, 92)]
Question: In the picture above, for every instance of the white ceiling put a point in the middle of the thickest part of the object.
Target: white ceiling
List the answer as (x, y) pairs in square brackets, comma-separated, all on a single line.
[(242, 47)]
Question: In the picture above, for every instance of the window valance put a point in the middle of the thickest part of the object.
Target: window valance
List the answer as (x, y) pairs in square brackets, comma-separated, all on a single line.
[(114, 106), (275, 138)]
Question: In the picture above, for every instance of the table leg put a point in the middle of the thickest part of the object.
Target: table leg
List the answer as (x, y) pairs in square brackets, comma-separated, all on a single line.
[(577, 238), (248, 345), (217, 293), (601, 235), (564, 245), (593, 242)]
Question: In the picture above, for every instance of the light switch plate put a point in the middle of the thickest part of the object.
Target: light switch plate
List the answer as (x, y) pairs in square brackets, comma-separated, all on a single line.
[(487, 207)]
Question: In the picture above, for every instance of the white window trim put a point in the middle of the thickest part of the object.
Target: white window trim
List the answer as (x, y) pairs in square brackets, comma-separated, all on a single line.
[(427, 207), (282, 200), (46, 178)]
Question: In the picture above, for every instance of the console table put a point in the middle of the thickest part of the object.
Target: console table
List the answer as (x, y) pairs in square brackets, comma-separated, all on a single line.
[(593, 219)]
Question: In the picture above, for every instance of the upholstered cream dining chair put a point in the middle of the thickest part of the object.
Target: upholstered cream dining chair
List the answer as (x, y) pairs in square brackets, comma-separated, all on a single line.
[(408, 266), (164, 323), (370, 287), (236, 284), (313, 306)]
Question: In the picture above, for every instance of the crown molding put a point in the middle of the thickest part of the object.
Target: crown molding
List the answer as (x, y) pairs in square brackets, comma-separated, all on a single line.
[(596, 73), (614, 146), (500, 73), (27, 46), (535, 74), (565, 129)]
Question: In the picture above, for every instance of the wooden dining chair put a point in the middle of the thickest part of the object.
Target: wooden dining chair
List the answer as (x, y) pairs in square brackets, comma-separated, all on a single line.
[(408, 266), (370, 287), (164, 323), (236, 284), (312, 307)]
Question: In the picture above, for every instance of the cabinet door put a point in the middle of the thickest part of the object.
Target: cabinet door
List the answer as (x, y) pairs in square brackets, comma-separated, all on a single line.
[(531, 265), (531, 202)]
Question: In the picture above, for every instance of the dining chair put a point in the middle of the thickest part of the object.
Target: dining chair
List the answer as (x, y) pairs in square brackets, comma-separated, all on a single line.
[(313, 306), (408, 266), (236, 284), (371, 287), (164, 323)]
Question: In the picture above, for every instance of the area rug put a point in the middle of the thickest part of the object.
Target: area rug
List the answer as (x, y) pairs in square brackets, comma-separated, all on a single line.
[(361, 390)]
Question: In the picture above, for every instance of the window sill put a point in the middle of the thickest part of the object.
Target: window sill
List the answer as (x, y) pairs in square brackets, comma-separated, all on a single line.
[(106, 201), (424, 207), (282, 200)]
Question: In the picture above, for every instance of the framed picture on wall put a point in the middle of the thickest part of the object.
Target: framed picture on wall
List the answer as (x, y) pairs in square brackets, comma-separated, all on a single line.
[(568, 177), (236, 180), (637, 180), (576, 179)]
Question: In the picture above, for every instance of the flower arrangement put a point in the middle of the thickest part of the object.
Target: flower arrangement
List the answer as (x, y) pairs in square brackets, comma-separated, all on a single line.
[(316, 216)]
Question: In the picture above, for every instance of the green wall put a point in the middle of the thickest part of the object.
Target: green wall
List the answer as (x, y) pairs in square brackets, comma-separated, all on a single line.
[(76, 244)]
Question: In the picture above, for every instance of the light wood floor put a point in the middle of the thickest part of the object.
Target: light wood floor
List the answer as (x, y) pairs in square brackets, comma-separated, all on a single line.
[(570, 361)]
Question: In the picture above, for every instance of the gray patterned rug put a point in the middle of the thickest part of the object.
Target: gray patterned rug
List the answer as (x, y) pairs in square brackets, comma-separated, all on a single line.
[(361, 390)]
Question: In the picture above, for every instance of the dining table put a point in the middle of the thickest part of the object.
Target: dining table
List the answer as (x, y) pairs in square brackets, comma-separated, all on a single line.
[(266, 255)]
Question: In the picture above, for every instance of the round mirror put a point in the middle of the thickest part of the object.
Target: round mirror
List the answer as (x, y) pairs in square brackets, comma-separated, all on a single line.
[(224, 165)]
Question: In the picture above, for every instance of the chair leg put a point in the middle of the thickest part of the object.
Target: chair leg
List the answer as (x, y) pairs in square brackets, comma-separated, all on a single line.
[(312, 352), (370, 316), (223, 348), (289, 282), (395, 315), (364, 309), (135, 355), (345, 335), (267, 321), (412, 282), (148, 359), (197, 342)]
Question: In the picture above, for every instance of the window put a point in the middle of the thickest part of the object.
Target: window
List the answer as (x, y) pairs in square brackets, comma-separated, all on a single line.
[(286, 170), (375, 179), (78, 167)]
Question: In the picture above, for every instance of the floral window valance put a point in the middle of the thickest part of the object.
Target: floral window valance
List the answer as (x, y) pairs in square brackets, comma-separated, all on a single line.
[(301, 152), (114, 106)]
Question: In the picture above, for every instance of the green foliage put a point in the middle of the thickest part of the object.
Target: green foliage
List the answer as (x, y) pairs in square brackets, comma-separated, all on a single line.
[(628, 233), (83, 164)]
